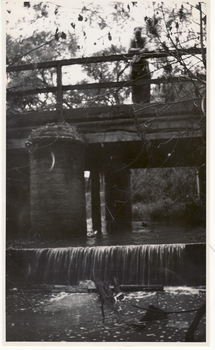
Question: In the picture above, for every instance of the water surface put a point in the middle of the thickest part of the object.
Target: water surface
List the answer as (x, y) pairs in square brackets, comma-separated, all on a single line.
[(77, 317)]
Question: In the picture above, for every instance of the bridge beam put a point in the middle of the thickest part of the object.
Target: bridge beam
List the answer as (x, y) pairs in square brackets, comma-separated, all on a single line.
[(118, 200)]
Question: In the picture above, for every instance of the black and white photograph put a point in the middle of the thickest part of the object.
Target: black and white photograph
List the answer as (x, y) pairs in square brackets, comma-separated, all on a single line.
[(106, 174)]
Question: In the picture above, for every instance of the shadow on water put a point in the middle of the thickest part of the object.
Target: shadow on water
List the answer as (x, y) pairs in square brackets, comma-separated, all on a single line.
[(152, 233)]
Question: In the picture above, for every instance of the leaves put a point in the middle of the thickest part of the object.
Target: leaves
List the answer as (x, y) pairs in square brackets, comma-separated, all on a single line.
[(102, 24), (151, 25), (204, 19), (44, 11), (168, 68), (113, 48), (176, 20), (56, 36), (63, 35), (165, 46), (32, 50), (182, 14), (109, 36), (27, 4), (169, 23)]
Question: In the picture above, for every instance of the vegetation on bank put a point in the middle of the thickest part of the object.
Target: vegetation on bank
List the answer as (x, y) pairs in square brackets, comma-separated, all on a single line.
[(168, 194)]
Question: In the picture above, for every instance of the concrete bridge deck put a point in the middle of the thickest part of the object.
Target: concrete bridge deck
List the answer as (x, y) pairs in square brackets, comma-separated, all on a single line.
[(122, 123)]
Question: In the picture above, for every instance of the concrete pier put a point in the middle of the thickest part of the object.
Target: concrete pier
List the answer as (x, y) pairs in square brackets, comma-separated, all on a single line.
[(57, 187)]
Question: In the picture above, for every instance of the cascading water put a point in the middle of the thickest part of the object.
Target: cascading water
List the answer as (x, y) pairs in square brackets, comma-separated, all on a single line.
[(166, 264)]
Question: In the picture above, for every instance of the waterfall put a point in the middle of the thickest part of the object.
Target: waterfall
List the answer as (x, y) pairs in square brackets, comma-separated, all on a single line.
[(165, 264)]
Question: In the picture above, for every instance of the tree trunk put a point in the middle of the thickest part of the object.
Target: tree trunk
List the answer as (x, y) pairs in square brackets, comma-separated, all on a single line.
[(194, 325)]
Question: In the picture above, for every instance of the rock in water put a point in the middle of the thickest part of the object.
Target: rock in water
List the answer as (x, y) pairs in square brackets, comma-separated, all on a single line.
[(144, 224), (154, 314)]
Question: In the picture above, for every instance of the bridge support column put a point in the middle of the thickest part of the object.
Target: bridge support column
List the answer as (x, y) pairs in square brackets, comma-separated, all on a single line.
[(118, 200), (57, 187), (96, 205)]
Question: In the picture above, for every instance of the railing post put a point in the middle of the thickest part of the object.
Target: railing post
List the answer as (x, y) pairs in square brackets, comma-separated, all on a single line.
[(59, 94)]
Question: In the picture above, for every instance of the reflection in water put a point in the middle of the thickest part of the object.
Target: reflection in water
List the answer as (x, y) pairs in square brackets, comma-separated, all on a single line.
[(154, 233), (178, 324)]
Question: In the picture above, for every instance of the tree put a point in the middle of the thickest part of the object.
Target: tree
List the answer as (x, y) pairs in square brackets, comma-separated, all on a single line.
[(40, 47), (167, 28), (101, 73), (176, 28)]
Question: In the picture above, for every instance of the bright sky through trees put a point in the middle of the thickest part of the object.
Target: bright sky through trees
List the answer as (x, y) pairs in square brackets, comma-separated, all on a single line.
[(101, 28), (98, 23)]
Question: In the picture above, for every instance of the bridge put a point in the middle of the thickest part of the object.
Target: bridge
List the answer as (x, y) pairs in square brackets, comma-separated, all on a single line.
[(48, 151)]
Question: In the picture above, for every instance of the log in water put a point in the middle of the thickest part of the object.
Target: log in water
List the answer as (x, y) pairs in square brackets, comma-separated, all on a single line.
[(161, 264)]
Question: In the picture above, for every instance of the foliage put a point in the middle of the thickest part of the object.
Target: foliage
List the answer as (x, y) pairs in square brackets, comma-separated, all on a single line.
[(172, 195), (167, 27), (40, 47), (101, 73), (177, 184), (172, 28)]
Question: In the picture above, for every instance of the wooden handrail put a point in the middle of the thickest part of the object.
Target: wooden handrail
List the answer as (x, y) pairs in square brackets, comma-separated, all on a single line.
[(105, 85), (58, 64), (97, 59)]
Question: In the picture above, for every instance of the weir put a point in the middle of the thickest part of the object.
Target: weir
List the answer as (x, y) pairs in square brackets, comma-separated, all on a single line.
[(165, 264)]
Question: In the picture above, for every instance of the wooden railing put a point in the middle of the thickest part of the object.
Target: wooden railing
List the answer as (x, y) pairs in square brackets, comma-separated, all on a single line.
[(58, 64)]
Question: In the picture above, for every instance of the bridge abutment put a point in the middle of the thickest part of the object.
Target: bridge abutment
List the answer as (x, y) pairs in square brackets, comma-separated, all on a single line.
[(118, 200), (57, 187)]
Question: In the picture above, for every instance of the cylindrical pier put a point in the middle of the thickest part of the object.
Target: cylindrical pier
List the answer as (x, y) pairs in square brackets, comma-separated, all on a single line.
[(57, 187)]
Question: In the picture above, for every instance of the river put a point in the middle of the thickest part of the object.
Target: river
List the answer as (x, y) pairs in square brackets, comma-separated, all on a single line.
[(77, 317)]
